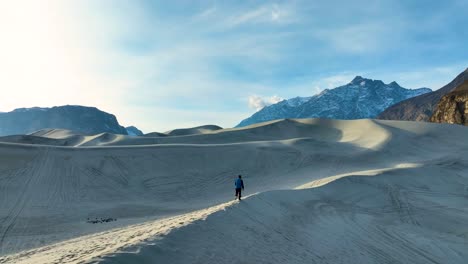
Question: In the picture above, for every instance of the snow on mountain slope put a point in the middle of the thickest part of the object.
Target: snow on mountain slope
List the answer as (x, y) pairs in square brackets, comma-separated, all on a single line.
[(361, 98)]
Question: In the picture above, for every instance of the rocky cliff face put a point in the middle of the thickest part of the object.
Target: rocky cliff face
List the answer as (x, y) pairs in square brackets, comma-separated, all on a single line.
[(421, 108), (361, 98), (453, 107), (81, 119)]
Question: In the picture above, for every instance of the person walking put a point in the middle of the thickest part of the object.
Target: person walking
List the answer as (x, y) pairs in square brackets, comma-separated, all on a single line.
[(239, 187)]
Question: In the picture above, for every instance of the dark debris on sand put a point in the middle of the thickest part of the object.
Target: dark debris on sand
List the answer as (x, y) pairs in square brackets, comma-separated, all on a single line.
[(100, 220)]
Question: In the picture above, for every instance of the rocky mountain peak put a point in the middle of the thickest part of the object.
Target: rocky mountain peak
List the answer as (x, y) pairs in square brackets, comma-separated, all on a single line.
[(361, 98), (358, 80), (365, 82)]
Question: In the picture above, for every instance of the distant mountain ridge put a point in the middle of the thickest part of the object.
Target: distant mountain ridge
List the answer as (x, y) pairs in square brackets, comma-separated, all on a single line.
[(81, 119), (361, 98), (421, 108), (133, 131)]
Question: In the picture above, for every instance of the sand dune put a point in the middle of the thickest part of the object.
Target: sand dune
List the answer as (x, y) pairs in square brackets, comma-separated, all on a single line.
[(194, 130), (55, 133), (155, 134), (413, 207), (397, 217), (361, 132)]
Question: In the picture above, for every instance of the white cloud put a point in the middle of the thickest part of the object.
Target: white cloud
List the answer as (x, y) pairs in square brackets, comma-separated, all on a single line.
[(263, 14), (276, 13), (251, 16), (257, 102)]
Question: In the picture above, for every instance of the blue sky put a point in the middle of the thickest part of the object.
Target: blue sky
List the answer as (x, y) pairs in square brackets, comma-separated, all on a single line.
[(160, 65)]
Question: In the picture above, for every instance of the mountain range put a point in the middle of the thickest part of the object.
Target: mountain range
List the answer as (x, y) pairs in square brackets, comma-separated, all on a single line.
[(80, 119), (361, 98)]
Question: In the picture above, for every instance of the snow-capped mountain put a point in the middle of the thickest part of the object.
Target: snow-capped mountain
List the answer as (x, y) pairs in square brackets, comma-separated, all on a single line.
[(361, 98)]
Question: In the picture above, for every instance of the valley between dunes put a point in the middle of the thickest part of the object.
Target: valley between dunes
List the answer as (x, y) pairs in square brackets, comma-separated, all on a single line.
[(318, 191)]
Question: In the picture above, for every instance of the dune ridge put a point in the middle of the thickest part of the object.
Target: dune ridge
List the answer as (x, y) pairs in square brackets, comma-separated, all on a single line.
[(319, 129)]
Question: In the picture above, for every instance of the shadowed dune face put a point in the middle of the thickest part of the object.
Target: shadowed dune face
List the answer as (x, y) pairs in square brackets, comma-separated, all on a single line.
[(48, 192), (277, 130), (55, 133), (155, 134)]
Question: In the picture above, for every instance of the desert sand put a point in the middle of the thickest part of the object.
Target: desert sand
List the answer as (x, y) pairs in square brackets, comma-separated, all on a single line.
[(318, 191)]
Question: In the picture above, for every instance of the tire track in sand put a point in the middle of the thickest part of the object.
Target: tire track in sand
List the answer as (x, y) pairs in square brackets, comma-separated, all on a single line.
[(34, 170)]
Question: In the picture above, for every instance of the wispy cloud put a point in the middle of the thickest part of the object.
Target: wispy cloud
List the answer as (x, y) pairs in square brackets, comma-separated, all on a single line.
[(147, 59), (271, 13)]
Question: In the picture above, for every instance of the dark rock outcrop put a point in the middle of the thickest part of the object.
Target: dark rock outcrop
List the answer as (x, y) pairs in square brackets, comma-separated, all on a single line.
[(81, 119), (453, 107), (421, 108)]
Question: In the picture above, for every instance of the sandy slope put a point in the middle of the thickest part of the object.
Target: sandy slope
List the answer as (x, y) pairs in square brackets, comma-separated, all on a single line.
[(415, 209), (391, 218), (192, 131), (317, 129)]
